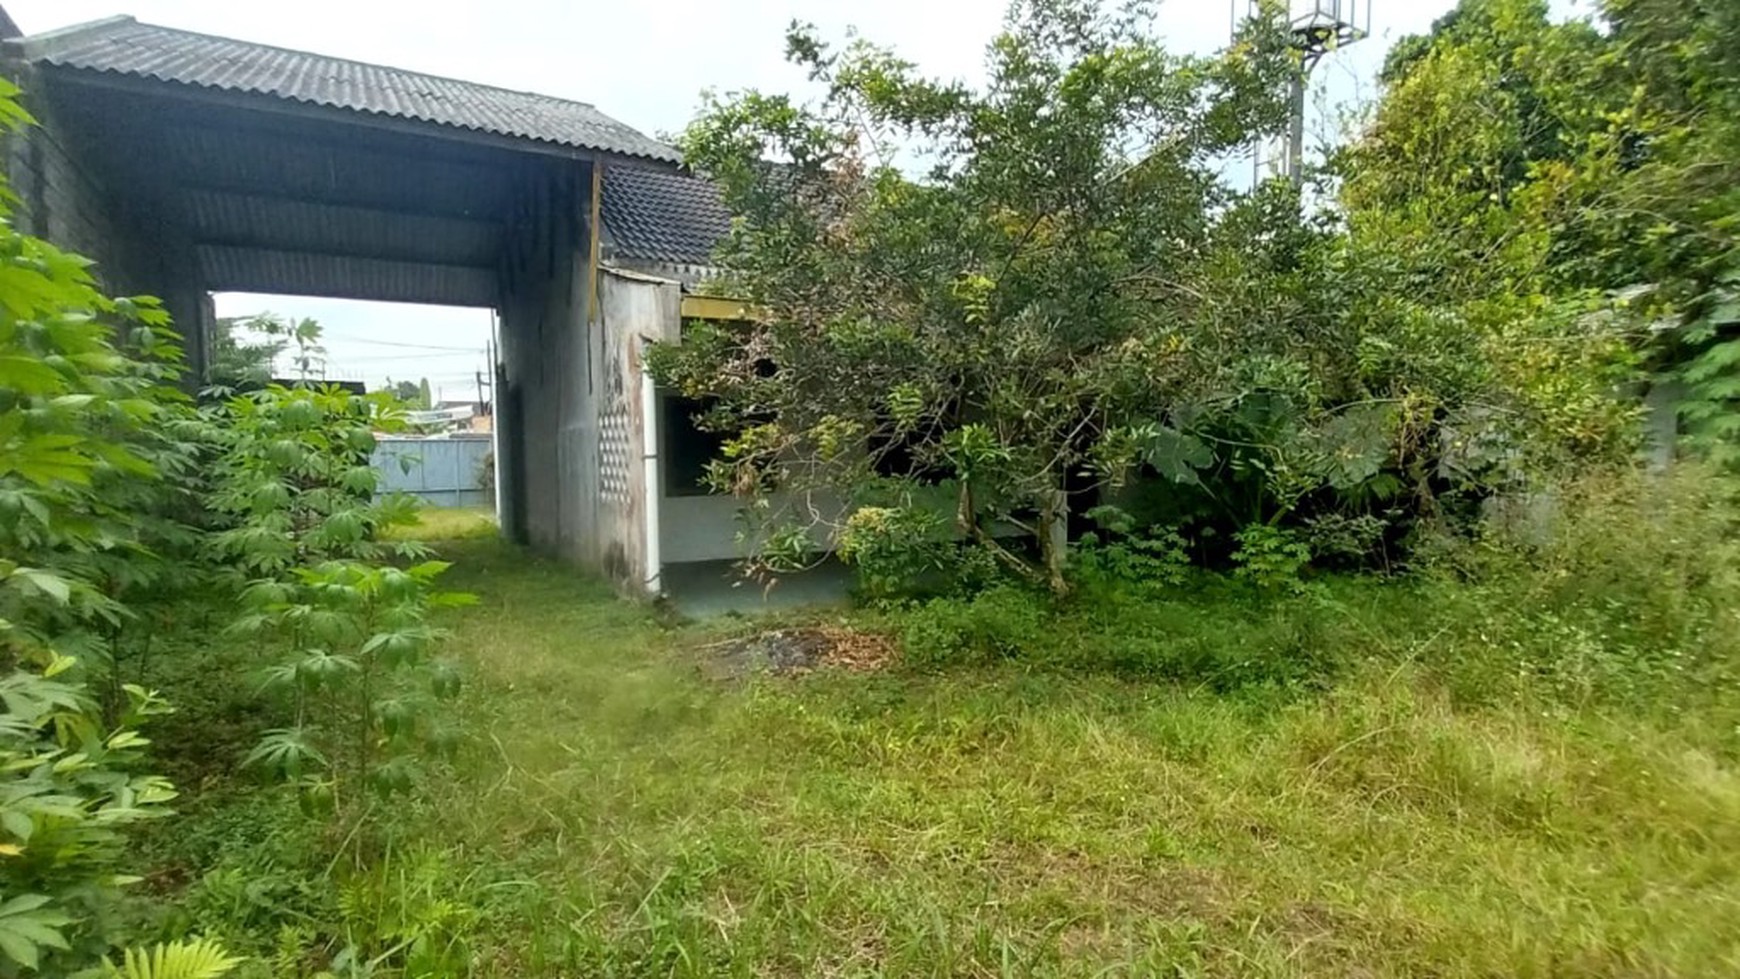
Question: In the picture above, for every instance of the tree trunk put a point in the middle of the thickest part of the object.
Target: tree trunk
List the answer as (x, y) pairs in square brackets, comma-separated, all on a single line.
[(1053, 532)]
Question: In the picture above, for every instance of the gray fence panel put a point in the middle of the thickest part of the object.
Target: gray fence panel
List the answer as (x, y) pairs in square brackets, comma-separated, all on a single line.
[(445, 472)]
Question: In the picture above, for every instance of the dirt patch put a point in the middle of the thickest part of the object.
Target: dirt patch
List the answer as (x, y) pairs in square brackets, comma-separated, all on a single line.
[(787, 652)]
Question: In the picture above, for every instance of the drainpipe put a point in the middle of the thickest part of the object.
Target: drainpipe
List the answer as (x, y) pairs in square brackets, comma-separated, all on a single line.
[(649, 436)]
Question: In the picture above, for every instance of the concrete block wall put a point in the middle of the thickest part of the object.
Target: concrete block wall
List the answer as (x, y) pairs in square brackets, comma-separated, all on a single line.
[(634, 310), (571, 440)]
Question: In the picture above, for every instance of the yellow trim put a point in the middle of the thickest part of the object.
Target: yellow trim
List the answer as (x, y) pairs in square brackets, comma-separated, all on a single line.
[(714, 308)]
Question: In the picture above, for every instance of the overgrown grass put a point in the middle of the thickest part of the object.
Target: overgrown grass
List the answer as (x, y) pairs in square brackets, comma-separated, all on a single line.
[(449, 524), (619, 815)]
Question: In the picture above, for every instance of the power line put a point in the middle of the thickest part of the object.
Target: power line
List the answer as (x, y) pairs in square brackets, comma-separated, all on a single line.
[(400, 358), (414, 346)]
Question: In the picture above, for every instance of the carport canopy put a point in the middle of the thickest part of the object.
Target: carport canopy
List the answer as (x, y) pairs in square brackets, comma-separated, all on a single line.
[(282, 171)]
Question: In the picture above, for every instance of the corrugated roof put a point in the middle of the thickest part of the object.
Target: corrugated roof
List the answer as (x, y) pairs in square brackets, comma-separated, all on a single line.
[(343, 277), (656, 216), (123, 46)]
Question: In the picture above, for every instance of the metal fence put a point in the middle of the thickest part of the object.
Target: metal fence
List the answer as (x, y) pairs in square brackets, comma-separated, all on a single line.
[(444, 472)]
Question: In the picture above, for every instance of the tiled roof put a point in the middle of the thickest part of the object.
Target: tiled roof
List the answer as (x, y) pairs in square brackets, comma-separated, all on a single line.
[(123, 46), (657, 216)]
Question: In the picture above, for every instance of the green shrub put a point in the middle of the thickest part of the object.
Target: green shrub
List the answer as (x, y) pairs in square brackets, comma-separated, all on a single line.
[(1121, 556), (1270, 557), (89, 426), (1619, 586), (1003, 622)]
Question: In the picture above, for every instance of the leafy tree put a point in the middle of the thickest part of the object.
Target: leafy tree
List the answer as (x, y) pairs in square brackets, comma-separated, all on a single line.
[(237, 361), (1514, 156), (245, 349), (425, 400), (407, 391), (1068, 298), (984, 323)]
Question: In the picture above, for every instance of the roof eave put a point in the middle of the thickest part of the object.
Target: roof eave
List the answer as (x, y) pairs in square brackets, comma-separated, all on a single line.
[(49, 43), (269, 103)]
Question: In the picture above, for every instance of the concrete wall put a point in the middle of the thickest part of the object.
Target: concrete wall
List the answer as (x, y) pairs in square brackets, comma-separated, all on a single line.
[(542, 322), (570, 444), (63, 200), (699, 528), (443, 472), (634, 310), (1662, 423)]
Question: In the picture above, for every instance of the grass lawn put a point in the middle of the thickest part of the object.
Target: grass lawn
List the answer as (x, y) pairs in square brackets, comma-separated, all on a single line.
[(619, 814)]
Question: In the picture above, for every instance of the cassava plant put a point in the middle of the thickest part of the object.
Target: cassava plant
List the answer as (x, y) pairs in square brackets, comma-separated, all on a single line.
[(88, 413), (293, 477), (349, 627), (359, 674)]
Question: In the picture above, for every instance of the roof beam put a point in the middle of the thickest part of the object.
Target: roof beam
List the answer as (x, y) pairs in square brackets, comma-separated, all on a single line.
[(262, 221), (341, 277)]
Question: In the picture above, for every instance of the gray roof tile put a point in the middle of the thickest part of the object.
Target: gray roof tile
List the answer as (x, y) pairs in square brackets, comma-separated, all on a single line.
[(124, 46), (657, 216)]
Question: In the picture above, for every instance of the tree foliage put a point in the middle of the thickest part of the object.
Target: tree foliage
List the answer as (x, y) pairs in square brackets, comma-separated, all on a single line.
[(982, 310), (1517, 159), (245, 349)]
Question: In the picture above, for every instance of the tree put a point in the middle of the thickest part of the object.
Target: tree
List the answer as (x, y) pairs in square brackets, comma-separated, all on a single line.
[(1517, 161), (409, 392), (245, 349), (425, 400), (238, 361), (978, 329)]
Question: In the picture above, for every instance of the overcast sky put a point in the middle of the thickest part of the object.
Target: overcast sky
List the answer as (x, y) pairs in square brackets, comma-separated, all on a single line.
[(644, 64)]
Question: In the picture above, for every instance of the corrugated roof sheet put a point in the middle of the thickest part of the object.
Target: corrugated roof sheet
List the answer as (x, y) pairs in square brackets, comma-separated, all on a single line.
[(123, 46), (656, 216), (343, 277)]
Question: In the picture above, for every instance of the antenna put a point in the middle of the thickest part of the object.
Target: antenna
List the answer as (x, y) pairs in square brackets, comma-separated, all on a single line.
[(1317, 28)]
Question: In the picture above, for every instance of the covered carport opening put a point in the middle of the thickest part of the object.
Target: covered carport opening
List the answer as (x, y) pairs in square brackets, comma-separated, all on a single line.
[(216, 191)]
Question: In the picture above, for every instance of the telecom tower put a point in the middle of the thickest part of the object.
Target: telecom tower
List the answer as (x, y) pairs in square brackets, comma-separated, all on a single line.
[(1318, 27)]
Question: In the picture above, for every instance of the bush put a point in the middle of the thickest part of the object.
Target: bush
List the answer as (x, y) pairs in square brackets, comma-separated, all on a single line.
[(88, 422), (1207, 633), (1620, 586), (1270, 557), (1003, 622)]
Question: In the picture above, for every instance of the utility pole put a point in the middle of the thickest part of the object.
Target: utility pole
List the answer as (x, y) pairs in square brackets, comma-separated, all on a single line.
[(1317, 28), (488, 403)]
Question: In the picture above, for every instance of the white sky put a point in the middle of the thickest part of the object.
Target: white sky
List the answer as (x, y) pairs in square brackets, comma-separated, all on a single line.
[(644, 64)]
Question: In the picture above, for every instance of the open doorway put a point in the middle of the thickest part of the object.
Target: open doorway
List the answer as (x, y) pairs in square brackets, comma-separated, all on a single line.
[(439, 361)]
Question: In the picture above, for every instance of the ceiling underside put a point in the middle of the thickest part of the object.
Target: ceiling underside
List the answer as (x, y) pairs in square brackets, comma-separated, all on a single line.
[(268, 202)]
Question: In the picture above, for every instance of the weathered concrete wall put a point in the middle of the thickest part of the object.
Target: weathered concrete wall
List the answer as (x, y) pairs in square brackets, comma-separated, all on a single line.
[(572, 461), (571, 439), (634, 310), (63, 200), (545, 370)]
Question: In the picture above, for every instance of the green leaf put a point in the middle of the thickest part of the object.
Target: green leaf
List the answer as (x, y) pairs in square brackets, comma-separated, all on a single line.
[(1175, 455), (46, 582), (197, 958)]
